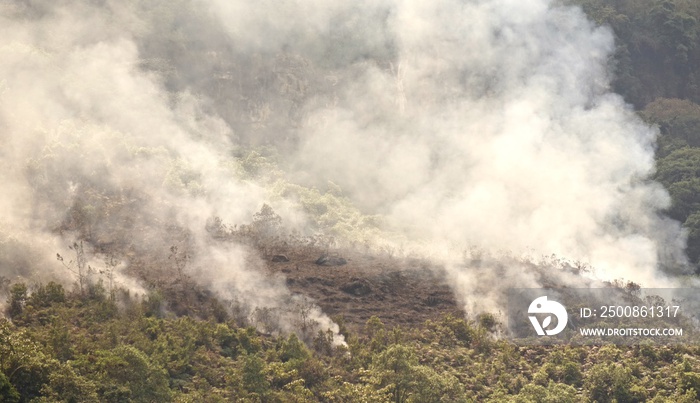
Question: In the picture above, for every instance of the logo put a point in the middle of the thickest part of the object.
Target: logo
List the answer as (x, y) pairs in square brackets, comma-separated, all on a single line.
[(541, 305)]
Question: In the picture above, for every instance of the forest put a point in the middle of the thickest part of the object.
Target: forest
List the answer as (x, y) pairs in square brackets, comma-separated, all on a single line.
[(656, 69), (67, 347), (133, 309)]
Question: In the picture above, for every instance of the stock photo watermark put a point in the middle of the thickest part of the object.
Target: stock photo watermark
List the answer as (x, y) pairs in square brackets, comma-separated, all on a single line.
[(603, 316)]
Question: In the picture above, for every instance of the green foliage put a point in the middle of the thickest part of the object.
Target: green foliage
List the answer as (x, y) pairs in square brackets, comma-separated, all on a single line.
[(23, 361), (487, 321), (680, 173), (608, 382), (153, 304), (293, 349), (566, 372), (127, 373), (397, 372), (657, 47), (66, 385), (78, 347), (553, 393), (342, 391), (45, 296), (18, 298), (59, 340), (227, 339), (393, 370), (254, 378), (61, 352), (657, 68), (692, 224), (433, 387), (7, 391), (678, 121), (680, 165)]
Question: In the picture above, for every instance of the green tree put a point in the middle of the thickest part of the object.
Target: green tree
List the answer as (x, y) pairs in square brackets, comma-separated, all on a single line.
[(432, 387), (553, 393), (46, 295), (657, 51), (692, 224), (8, 393), (680, 173), (126, 372), (676, 118), (66, 385), (23, 361), (293, 349), (254, 376), (611, 382), (18, 299), (680, 165), (59, 340), (393, 369)]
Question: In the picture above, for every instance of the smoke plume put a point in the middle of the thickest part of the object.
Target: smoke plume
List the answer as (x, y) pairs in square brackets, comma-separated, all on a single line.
[(462, 125)]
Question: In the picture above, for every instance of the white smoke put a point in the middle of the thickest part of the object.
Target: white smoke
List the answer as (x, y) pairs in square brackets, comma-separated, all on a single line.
[(486, 124), (87, 135), (473, 123)]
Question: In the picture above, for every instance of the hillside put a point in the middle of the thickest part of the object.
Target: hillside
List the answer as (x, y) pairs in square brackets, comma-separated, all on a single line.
[(213, 201), (402, 292), (87, 348)]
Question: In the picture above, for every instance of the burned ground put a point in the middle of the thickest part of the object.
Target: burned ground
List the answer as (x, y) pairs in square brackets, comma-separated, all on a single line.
[(402, 292)]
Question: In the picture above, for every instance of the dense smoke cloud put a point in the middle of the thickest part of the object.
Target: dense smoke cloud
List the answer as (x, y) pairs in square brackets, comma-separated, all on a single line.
[(94, 147), (487, 124), (465, 124)]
